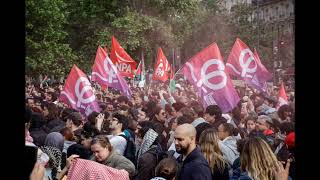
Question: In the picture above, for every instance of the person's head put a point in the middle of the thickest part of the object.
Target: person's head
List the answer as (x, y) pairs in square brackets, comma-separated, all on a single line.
[(170, 110), (258, 159), (179, 121), (142, 116), (92, 118), (37, 102), (78, 149), (67, 134), (286, 128), (74, 120), (257, 100), (118, 122), (54, 139), (167, 168), (53, 111), (101, 148), (209, 146), (138, 100), (183, 100), (198, 109), (225, 130), (177, 106), (185, 139), (186, 111), (285, 112), (262, 123), (250, 123), (123, 101), (212, 113), (86, 139), (65, 113), (200, 128), (30, 103), (160, 114), (110, 107)]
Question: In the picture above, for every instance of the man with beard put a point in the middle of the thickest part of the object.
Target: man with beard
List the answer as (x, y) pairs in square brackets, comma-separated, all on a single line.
[(192, 164)]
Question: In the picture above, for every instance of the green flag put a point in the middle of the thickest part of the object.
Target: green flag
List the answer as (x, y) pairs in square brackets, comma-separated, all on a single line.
[(172, 85)]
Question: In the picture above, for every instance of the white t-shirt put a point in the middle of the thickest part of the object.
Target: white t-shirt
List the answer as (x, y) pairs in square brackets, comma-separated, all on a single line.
[(118, 143)]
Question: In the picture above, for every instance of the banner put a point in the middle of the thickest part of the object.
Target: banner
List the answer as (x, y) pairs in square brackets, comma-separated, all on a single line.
[(243, 64), (121, 59), (78, 93), (106, 74), (161, 68), (206, 72)]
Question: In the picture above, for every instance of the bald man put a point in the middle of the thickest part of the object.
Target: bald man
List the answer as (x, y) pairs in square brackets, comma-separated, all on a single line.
[(193, 166)]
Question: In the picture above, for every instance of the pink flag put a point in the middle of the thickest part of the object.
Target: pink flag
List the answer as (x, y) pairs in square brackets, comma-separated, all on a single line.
[(282, 99), (206, 72), (77, 92), (106, 74), (242, 63)]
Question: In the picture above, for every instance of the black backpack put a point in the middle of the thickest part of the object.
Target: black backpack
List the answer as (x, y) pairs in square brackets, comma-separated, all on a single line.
[(130, 151), (160, 154)]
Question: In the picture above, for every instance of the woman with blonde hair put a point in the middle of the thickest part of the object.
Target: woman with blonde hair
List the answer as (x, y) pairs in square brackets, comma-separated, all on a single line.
[(208, 143), (257, 161)]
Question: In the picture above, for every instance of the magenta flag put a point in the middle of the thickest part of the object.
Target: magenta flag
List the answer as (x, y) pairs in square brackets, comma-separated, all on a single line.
[(243, 64), (106, 74), (78, 93), (206, 71)]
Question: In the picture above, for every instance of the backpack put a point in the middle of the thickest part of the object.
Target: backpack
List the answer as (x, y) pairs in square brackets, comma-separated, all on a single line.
[(130, 150), (160, 154)]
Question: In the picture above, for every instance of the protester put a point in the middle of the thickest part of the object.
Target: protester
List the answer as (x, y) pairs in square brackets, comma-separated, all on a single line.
[(257, 161), (166, 169), (208, 144), (228, 144), (213, 115), (105, 154), (207, 141), (117, 126), (53, 147), (193, 165)]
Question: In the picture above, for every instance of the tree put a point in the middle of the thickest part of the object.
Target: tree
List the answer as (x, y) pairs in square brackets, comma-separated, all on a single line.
[(46, 48)]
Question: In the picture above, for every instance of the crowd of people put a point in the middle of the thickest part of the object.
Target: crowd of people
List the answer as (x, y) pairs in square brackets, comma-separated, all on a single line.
[(159, 134)]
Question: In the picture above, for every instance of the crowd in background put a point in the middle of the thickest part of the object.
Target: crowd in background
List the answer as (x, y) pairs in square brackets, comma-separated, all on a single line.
[(159, 134)]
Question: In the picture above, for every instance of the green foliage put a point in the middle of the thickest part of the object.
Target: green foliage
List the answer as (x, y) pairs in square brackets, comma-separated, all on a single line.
[(60, 33), (46, 48)]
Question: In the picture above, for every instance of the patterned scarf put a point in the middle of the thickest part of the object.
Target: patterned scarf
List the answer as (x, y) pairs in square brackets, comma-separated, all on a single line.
[(147, 141), (54, 157), (90, 170)]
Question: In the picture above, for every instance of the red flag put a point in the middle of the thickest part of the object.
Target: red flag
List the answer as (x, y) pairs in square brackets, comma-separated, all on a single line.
[(282, 99), (106, 74), (206, 72), (105, 49), (78, 93), (161, 68), (125, 64), (242, 63)]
